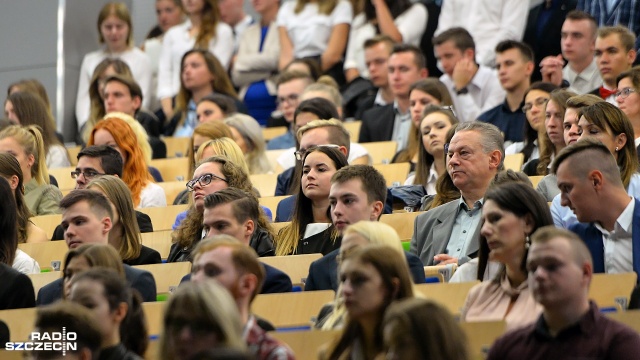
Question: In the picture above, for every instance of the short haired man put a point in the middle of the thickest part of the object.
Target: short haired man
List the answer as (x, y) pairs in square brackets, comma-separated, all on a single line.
[(236, 267), (615, 54), (95, 161), (514, 61), (357, 193), (560, 272), (87, 219), (450, 232), (474, 88), (377, 51), (290, 86), (68, 317), (406, 65), (588, 177), (235, 213), (578, 41)]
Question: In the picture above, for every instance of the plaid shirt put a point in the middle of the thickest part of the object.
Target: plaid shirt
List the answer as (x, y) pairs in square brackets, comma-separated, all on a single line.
[(624, 12), (262, 345)]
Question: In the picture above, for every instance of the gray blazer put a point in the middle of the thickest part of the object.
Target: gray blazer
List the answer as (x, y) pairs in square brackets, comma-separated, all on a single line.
[(432, 230)]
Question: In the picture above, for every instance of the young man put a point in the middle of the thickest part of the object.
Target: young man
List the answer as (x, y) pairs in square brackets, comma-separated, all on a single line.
[(560, 271), (86, 219), (358, 193), (588, 177), (578, 41), (406, 65), (236, 267), (95, 161), (514, 61), (290, 86), (232, 13), (474, 88), (235, 213), (615, 54), (449, 233)]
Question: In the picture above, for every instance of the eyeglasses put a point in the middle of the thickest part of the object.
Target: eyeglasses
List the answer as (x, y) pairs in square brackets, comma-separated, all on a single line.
[(290, 99), (87, 174), (204, 180), (624, 93), (446, 108), (537, 102), (300, 153)]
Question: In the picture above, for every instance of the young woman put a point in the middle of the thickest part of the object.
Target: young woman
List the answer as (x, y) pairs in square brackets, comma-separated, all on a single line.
[(28, 109), (422, 329), (28, 232), (401, 20), (88, 256), (210, 315), (124, 234), (202, 30), (115, 132), (103, 70), (310, 230), (31, 86), (223, 147), (27, 146), (116, 33), (316, 29), (371, 278), (431, 157), (9, 253), (607, 123), (510, 214), (203, 133), (169, 13), (445, 190), (535, 99), (628, 97), (212, 175), (116, 309), (421, 94), (201, 74), (551, 142), (215, 107), (247, 133)]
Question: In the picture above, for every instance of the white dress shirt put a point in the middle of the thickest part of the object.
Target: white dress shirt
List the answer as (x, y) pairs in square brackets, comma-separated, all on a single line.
[(584, 82), (618, 244), (484, 93)]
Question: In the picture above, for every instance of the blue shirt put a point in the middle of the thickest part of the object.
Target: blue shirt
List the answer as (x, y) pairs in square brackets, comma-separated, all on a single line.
[(284, 141), (510, 123), (467, 220)]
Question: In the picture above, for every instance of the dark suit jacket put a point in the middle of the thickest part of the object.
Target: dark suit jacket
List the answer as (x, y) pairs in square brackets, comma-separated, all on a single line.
[(432, 231), (377, 124), (592, 237), (144, 223), (285, 209), (16, 290), (147, 256), (547, 42), (284, 182), (140, 280), (275, 281), (323, 273)]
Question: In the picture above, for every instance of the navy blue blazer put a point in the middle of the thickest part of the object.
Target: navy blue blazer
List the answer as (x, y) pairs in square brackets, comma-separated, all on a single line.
[(592, 237), (377, 124), (275, 281), (323, 273), (140, 280)]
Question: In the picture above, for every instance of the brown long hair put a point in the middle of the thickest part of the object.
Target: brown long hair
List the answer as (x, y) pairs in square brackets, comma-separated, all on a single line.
[(9, 166), (547, 148), (425, 160)]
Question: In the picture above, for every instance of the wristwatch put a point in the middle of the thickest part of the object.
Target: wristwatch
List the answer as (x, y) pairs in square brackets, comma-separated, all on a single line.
[(464, 90)]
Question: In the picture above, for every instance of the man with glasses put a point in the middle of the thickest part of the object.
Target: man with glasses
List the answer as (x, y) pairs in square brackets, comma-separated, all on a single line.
[(96, 161), (514, 62), (290, 86)]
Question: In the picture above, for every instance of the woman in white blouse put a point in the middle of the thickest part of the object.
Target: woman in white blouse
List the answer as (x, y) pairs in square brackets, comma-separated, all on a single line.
[(401, 20), (204, 30), (114, 26), (314, 29)]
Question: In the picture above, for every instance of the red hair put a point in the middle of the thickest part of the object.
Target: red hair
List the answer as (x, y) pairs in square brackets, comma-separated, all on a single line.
[(135, 173)]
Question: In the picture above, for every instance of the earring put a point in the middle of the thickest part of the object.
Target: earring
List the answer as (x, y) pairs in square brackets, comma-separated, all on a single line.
[(617, 148), (527, 242)]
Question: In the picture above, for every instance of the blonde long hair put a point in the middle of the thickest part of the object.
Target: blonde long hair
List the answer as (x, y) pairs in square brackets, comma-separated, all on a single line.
[(31, 141)]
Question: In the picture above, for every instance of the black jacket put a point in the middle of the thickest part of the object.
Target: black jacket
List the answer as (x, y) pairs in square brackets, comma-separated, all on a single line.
[(323, 273), (140, 280), (16, 289), (118, 352), (144, 223), (377, 124), (147, 256), (275, 281)]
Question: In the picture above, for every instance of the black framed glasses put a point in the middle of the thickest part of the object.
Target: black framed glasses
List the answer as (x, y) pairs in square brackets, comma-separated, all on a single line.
[(204, 180), (89, 174), (624, 93), (290, 99), (300, 153), (537, 102)]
